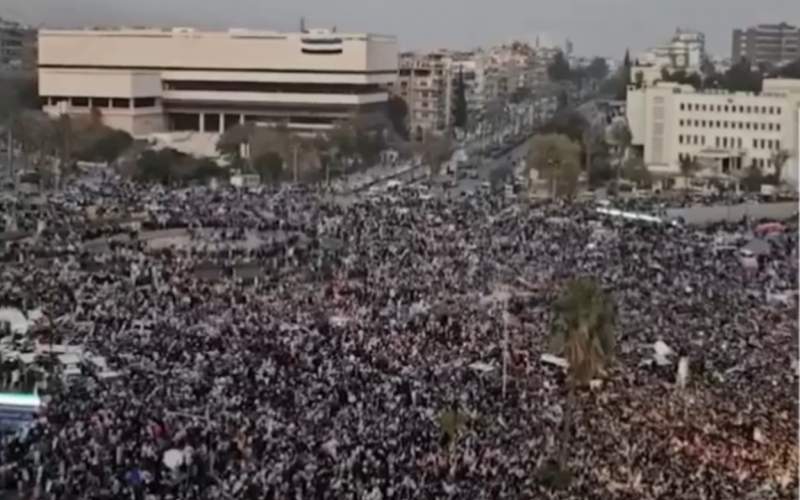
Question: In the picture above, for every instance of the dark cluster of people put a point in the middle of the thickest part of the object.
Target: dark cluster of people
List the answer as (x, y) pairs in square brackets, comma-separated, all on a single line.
[(324, 369)]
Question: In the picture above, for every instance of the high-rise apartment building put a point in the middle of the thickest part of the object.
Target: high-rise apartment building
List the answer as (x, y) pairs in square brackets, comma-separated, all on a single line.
[(766, 44), (155, 80)]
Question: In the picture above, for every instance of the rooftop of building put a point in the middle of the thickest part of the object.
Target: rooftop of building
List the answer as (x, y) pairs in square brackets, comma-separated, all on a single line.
[(180, 31)]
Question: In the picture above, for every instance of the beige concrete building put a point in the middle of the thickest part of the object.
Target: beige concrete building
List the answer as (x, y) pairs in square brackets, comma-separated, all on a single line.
[(154, 80), (422, 82), (726, 132)]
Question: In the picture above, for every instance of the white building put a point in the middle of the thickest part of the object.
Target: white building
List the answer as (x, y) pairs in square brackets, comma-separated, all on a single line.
[(726, 132), (685, 52), (146, 81)]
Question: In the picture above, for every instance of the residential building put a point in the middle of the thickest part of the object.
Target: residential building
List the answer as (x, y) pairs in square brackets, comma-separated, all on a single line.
[(725, 132), (146, 81), (772, 44), (17, 46), (423, 82)]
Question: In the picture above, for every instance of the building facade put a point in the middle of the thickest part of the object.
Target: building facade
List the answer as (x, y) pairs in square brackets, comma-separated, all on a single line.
[(17, 46), (151, 80), (726, 132), (772, 44), (686, 52), (422, 83)]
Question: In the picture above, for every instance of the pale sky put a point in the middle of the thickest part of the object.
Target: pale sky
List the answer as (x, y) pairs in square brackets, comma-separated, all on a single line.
[(596, 27)]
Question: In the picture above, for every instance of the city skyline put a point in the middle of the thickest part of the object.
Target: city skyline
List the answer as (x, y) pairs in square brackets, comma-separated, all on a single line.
[(586, 22)]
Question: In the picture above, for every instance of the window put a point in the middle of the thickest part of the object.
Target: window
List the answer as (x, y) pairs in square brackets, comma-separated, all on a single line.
[(100, 102), (777, 144), (718, 124), (763, 143), (764, 110), (120, 103), (680, 123), (716, 142), (726, 108), (703, 140), (704, 107), (80, 102), (778, 127), (739, 142), (755, 143), (741, 109), (144, 102), (680, 139), (702, 123), (683, 107), (724, 142), (747, 125), (725, 124)]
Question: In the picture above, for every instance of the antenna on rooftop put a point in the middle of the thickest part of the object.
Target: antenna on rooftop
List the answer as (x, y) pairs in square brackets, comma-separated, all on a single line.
[(302, 24)]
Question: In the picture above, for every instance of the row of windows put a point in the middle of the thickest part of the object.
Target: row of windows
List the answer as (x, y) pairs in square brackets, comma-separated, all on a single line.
[(726, 124), (731, 108), (724, 142), (101, 102)]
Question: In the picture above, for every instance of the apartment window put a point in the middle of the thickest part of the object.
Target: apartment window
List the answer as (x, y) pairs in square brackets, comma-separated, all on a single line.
[(769, 143), (778, 127), (703, 123), (724, 142), (755, 143), (120, 103), (680, 139), (777, 144), (703, 140), (716, 142), (763, 143), (100, 102), (764, 110), (80, 102), (778, 110), (747, 125), (741, 109), (726, 108), (725, 124), (683, 107), (718, 124), (680, 123), (739, 142), (704, 107)]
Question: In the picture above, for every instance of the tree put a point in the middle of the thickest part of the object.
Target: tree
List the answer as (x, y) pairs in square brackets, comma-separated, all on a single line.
[(158, 166), (619, 138), (559, 69), (689, 167), (269, 167), (634, 170), (626, 62), (397, 113), (791, 70), (569, 122), (101, 144), (435, 150), (597, 69), (741, 77), (753, 179), (779, 159), (584, 321), (460, 111), (680, 76), (556, 158)]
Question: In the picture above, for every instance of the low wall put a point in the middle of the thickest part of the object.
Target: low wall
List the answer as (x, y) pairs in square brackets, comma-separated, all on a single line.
[(733, 213)]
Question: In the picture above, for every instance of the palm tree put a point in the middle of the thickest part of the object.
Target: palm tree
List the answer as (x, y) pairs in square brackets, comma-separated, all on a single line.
[(583, 331)]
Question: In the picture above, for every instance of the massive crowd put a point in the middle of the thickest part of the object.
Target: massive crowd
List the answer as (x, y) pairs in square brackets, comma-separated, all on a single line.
[(323, 370)]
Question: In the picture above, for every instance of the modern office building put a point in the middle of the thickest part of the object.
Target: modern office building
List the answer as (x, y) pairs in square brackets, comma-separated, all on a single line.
[(766, 44), (155, 80), (723, 131), (17, 46)]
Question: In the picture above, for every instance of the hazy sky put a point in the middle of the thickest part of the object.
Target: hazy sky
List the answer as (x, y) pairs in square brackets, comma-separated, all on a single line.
[(596, 27)]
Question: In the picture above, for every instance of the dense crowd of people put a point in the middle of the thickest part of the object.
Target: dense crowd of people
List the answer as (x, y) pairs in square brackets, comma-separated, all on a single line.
[(322, 371)]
